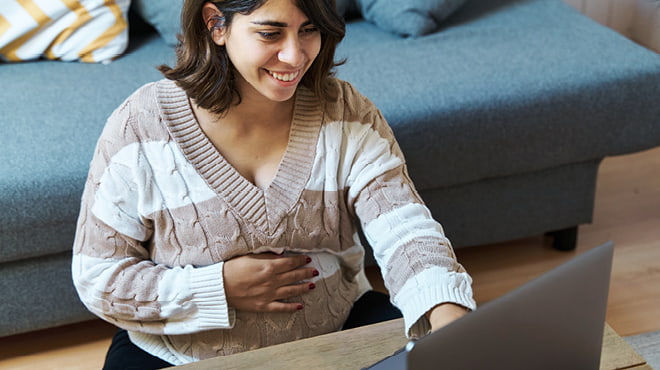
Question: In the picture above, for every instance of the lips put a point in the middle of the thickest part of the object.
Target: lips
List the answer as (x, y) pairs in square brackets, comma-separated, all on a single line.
[(284, 77)]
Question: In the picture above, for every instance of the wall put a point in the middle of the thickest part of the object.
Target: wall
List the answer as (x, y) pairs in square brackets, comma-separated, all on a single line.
[(637, 19)]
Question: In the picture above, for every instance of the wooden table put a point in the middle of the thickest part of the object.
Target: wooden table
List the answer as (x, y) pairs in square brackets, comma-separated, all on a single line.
[(372, 343)]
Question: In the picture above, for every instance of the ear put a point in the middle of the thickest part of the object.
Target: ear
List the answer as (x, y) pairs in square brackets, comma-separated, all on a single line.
[(215, 22)]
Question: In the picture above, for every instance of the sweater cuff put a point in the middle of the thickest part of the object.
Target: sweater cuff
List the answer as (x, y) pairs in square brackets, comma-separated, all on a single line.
[(208, 294), (415, 301)]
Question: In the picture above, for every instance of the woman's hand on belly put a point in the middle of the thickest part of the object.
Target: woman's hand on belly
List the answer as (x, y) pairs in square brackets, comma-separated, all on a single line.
[(259, 282)]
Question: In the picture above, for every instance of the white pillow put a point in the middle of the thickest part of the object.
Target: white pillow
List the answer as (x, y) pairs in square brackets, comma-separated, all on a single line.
[(69, 30)]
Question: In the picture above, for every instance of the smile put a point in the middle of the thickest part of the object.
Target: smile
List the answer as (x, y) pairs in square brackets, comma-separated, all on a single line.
[(284, 77)]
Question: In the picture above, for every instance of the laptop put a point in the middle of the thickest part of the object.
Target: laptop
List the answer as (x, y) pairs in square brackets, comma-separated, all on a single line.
[(556, 321)]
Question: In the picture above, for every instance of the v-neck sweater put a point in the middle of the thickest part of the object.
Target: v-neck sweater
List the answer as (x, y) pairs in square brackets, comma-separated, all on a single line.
[(162, 210)]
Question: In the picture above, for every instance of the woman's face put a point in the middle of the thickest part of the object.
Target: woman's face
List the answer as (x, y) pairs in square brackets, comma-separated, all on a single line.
[(271, 49)]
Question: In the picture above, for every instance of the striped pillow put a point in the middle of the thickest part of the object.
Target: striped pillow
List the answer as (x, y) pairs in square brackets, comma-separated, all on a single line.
[(69, 30)]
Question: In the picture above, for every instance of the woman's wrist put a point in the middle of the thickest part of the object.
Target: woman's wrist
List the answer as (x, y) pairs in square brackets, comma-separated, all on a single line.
[(445, 313)]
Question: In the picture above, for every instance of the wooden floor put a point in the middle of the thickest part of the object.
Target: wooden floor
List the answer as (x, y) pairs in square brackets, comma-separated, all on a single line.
[(627, 211)]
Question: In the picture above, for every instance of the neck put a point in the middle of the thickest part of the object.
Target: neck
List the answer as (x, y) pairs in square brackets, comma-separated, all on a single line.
[(260, 112), (248, 117)]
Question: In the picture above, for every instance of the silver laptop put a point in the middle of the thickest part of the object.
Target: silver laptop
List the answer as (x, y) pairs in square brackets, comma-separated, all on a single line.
[(553, 322)]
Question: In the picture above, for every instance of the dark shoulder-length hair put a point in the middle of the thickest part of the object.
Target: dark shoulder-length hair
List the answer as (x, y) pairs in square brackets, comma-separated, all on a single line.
[(203, 68)]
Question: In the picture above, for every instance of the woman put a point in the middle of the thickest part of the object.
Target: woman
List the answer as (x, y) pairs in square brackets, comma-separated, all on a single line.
[(224, 203)]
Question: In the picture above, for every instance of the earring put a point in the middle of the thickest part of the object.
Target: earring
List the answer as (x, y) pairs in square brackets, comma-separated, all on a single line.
[(215, 23)]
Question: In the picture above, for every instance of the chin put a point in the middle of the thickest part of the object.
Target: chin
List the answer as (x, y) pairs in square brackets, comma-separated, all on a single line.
[(281, 97)]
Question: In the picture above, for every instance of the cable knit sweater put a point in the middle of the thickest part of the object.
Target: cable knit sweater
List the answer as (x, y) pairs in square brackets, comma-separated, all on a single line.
[(162, 210)]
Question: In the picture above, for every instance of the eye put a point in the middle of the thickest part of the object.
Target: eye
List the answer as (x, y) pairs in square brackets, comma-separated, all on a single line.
[(309, 30), (268, 35)]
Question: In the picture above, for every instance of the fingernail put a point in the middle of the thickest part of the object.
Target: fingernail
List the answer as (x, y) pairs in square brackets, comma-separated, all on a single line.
[(315, 273), (312, 286), (309, 260), (299, 307)]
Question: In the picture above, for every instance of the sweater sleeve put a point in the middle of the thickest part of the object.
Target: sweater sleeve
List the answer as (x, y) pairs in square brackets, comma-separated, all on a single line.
[(417, 261), (112, 270)]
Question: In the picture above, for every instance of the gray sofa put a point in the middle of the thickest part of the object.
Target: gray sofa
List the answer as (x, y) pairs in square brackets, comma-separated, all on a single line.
[(503, 114)]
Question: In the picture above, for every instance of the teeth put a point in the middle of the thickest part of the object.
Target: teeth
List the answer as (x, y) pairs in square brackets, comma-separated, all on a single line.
[(286, 77)]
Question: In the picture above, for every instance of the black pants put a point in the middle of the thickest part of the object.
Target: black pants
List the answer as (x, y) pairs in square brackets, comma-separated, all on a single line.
[(371, 308), (124, 355)]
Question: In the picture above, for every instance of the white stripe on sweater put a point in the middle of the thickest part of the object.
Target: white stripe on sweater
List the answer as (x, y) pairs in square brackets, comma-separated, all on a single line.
[(435, 284), (339, 145), (399, 226), (190, 299), (164, 179)]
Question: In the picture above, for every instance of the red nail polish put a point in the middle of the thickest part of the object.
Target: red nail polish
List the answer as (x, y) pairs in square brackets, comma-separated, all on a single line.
[(312, 286), (315, 273), (309, 260), (299, 307)]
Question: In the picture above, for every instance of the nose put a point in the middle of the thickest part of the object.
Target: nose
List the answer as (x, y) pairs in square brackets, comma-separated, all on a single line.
[(292, 52)]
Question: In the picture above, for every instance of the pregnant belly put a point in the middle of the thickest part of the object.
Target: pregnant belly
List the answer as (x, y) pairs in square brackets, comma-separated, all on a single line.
[(325, 310)]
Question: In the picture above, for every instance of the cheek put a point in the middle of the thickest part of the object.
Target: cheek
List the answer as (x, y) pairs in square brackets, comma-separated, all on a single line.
[(316, 48), (312, 51), (247, 59)]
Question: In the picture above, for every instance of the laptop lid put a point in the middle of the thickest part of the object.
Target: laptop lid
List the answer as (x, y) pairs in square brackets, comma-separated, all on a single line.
[(556, 321)]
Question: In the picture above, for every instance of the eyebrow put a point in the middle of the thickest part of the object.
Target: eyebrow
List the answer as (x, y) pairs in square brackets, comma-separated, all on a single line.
[(278, 24)]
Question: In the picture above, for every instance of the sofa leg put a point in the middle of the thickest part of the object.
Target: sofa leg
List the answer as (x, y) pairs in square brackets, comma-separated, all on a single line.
[(564, 239)]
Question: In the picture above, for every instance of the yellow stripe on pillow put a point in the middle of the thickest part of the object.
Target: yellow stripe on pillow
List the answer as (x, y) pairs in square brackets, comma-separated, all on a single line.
[(112, 33), (31, 9), (4, 25), (69, 30), (37, 14), (82, 18)]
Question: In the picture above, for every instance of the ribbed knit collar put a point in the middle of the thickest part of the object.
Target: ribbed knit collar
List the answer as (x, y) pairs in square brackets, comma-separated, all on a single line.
[(263, 208)]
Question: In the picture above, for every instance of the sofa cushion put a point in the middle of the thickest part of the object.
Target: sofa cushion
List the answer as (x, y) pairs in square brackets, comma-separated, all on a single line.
[(88, 31), (408, 17), (48, 138), (507, 89), (163, 15)]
